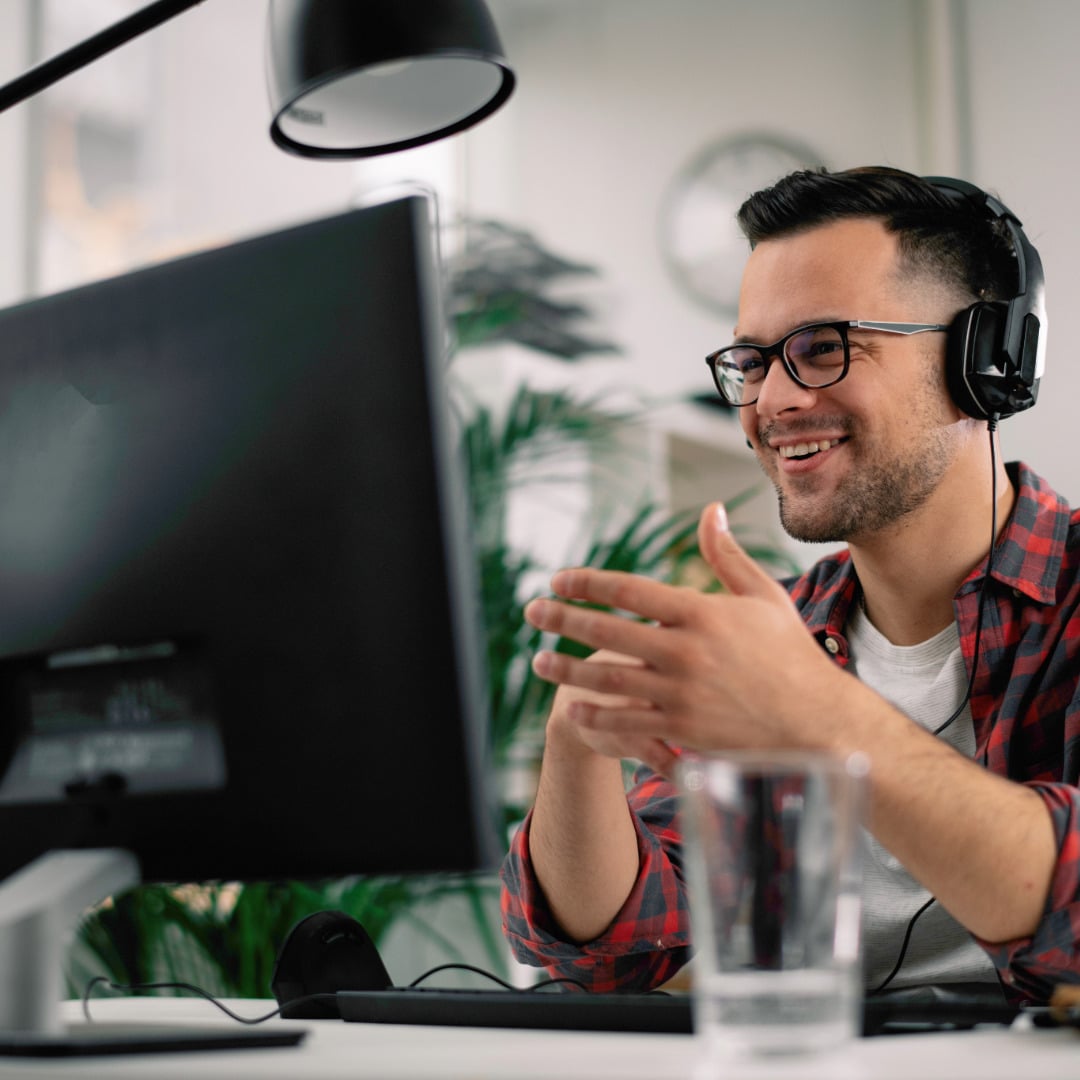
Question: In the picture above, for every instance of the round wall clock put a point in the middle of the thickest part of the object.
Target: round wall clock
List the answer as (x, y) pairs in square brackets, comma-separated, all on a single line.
[(699, 239)]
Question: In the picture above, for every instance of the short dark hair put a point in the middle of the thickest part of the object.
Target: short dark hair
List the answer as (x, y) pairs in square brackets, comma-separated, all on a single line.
[(947, 238)]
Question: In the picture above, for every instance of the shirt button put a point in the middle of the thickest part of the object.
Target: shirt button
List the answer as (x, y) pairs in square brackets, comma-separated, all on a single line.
[(832, 645)]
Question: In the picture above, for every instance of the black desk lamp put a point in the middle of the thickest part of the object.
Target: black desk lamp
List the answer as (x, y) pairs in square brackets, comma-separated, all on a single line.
[(347, 78)]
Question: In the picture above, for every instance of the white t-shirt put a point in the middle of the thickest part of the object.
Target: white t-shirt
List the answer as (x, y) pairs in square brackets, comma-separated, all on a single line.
[(926, 682)]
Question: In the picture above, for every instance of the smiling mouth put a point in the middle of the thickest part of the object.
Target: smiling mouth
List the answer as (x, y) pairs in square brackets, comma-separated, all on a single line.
[(802, 451)]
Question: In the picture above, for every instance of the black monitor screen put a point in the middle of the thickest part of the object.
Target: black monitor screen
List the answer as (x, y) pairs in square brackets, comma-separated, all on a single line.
[(238, 631)]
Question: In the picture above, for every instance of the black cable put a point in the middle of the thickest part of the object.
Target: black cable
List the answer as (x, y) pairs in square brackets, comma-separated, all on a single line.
[(459, 967), (991, 427), (543, 984), (903, 949), (100, 980)]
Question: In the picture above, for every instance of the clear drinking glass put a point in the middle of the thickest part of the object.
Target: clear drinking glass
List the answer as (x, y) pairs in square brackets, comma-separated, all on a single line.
[(775, 886)]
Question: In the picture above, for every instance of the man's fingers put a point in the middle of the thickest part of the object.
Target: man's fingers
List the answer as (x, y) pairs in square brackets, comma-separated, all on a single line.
[(734, 569), (621, 591), (630, 683)]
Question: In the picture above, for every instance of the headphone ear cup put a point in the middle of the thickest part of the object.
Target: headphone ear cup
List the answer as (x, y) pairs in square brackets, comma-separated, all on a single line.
[(973, 360), (997, 348)]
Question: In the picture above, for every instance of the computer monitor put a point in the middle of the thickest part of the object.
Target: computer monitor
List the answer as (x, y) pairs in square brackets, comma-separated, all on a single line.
[(239, 633)]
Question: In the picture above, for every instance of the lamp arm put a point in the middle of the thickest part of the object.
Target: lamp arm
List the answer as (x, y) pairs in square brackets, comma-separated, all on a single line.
[(78, 56)]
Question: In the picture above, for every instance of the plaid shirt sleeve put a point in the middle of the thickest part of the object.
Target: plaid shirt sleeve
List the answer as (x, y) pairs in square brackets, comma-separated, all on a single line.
[(1026, 706), (1031, 967), (647, 941)]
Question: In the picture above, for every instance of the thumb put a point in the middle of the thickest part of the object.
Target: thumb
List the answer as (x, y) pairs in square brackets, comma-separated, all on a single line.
[(734, 569)]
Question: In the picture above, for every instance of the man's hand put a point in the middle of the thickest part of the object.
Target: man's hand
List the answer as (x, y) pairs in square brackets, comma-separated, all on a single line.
[(572, 701), (707, 671)]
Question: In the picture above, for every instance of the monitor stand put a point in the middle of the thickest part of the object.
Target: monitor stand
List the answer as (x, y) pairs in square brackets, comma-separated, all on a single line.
[(40, 907)]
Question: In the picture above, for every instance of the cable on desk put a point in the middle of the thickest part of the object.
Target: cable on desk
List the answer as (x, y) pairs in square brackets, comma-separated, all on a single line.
[(101, 980), (542, 985)]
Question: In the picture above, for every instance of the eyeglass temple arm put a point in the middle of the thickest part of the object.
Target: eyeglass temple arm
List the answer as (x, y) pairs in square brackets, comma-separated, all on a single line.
[(898, 327)]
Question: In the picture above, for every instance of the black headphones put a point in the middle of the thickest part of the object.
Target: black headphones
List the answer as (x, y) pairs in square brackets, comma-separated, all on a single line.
[(997, 348)]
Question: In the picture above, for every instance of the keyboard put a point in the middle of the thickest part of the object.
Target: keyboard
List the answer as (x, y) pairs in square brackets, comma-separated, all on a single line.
[(562, 1011), (657, 1013)]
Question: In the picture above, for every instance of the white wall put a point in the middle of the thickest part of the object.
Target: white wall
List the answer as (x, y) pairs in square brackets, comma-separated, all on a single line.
[(615, 94), (14, 55), (214, 175), (1025, 92), (225, 176)]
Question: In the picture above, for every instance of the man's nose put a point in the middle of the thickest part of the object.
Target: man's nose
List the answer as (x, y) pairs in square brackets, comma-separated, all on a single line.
[(780, 392)]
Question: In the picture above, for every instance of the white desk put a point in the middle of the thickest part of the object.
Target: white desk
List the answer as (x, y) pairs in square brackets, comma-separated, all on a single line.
[(334, 1049)]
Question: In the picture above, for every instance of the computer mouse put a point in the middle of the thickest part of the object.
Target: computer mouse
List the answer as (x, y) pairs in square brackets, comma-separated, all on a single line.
[(324, 953)]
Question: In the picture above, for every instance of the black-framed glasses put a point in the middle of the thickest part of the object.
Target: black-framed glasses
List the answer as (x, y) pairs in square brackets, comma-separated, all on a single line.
[(815, 356)]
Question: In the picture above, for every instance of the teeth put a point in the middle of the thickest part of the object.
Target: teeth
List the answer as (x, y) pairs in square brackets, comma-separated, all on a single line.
[(804, 449)]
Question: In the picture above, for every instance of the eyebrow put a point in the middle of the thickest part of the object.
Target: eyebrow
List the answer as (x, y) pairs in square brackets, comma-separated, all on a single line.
[(744, 339)]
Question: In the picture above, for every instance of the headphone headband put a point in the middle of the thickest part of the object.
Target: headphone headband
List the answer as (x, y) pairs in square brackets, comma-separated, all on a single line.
[(997, 349)]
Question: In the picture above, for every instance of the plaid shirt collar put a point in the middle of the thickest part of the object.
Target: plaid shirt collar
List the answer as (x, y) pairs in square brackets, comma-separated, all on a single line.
[(1028, 557)]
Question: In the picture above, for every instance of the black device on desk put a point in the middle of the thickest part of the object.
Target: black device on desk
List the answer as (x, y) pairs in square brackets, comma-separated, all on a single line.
[(657, 1013), (238, 617)]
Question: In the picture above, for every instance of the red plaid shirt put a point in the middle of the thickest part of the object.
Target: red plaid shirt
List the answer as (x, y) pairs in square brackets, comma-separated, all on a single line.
[(1025, 705)]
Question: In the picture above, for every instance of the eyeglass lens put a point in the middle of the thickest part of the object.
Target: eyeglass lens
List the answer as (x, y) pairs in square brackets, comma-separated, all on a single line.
[(814, 357)]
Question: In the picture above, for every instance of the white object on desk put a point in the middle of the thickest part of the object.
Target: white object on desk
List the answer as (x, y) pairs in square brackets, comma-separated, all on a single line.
[(39, 908)]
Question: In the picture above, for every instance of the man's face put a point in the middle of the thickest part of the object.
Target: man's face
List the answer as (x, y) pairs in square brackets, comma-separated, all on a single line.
[(888, 427)]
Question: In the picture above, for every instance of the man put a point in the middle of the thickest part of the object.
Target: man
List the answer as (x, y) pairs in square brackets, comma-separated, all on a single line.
[(961, 686)]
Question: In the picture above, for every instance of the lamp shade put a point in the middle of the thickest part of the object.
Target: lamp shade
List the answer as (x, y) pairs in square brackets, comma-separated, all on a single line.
[(355, 78)]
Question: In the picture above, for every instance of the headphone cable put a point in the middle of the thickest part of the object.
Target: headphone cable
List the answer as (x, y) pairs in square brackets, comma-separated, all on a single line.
[(991, 427)]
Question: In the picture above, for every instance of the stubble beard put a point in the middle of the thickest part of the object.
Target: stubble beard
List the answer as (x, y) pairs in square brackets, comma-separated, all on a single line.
[(878, 492)]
